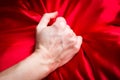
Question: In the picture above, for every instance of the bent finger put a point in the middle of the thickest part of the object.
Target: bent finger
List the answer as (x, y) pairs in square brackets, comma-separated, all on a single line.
[(60, 23), (79, 43), (45, 20)]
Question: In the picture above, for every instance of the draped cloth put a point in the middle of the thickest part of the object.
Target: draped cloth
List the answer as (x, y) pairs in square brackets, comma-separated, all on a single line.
[(97, 21)]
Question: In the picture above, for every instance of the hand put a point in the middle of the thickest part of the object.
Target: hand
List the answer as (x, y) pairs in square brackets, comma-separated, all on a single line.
[(55, 46), (58, 41)]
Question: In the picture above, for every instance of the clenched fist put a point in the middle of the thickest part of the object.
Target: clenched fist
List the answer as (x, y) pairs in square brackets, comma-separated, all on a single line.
[(55, 46), (58, 41)]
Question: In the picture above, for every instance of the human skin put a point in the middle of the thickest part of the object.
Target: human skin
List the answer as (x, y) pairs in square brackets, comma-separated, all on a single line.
[(55, 46)]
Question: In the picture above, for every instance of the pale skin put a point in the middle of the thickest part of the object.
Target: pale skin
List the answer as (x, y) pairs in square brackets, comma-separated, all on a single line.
[(55, 46)]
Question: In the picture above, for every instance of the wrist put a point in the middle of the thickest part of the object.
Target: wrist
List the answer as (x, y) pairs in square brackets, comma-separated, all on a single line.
[(40, 68), (46, 59)]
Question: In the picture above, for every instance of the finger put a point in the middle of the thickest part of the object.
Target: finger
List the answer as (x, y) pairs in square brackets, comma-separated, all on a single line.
[(75, 44), (45, 20), (79, 42), (68, 27), (68, 34), (60, 23)]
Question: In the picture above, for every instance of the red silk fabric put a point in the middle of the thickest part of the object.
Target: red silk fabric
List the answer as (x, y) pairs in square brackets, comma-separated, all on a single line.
[(97, 21)]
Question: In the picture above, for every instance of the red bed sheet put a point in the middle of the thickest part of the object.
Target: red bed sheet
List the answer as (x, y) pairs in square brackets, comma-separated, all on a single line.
[(97, 21)]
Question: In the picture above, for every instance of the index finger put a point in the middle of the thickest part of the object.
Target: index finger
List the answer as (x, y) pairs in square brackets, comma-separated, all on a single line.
[(45, 20)]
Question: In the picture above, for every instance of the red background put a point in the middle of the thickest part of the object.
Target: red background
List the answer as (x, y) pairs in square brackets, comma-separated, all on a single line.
[(97, 21)]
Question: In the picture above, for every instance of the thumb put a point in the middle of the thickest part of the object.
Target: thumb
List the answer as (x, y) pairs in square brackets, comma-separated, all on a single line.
[(45, 20)]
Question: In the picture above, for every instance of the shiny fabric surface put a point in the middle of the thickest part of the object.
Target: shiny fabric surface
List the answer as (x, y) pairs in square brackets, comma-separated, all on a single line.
[(97, 21)]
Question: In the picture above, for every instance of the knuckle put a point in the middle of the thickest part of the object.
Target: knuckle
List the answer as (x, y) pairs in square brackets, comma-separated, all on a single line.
[(72, 40), (70, 31), (61, 19), (75, 48), (58, 26), (67, 32), (68, 27), (63, 24), (71, 35)]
